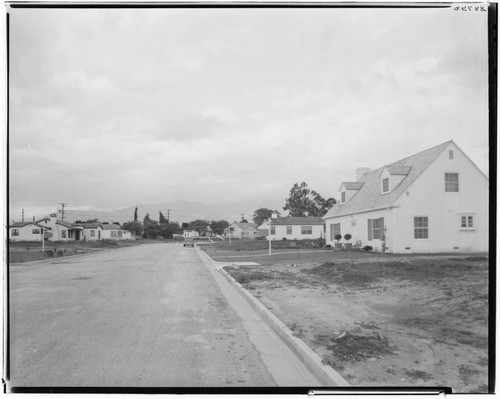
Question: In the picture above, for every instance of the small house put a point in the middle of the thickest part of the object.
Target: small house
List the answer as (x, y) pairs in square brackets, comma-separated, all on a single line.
[(294, 228)]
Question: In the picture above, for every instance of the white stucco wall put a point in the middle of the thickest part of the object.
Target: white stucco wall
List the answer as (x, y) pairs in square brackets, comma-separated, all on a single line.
[(357, 226), (26, 233), (86, 234), (318, 231), (427, 197)]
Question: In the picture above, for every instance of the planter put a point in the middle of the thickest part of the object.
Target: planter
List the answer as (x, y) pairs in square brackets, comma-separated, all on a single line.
[(338, 245), (348, 245)]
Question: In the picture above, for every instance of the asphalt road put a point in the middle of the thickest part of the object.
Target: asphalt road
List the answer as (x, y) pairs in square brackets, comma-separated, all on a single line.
[(144, 316)]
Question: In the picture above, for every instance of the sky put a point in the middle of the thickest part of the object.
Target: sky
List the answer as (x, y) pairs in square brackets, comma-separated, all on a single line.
[(115, 107)]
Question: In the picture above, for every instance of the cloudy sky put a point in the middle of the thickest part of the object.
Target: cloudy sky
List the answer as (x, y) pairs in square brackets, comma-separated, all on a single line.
[(115, 107)]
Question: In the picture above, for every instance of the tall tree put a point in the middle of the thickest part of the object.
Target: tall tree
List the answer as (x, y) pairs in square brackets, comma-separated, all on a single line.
[(136, 217), (305, 202), (262, 214), (134, 227), (163, 219)]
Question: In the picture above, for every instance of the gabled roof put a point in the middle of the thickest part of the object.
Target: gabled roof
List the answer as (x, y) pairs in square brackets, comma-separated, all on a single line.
[(297, 220), (91, 225), (370, 196), (244, 226), (349, 185), (23, 224), (398, 170), (111, 227)]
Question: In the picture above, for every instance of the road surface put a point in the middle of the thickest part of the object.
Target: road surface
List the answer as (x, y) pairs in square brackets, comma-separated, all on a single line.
[(143, 316)]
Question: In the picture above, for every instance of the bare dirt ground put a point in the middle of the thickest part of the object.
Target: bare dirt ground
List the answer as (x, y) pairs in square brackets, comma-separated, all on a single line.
[(385, 320)]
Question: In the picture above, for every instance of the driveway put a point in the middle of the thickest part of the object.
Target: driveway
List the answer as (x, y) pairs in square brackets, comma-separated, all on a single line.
[(145, 316)]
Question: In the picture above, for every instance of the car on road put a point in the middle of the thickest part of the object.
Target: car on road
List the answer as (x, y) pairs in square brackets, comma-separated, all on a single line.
[(188, 242)]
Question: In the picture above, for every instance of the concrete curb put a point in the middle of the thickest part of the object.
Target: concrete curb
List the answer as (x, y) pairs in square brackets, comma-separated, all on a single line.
[(311, 359)]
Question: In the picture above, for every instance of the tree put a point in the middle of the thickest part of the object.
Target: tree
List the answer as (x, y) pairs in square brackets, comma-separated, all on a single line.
[(199, 225), (163, 219), (146, 219), (262, 214), (305, 202), (218, 226), (167, 230), (151, 227), (134, 227), (136, 218)]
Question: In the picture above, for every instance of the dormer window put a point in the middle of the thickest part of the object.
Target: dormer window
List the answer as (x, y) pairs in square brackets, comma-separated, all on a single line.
[(385, 185), (342, 197)]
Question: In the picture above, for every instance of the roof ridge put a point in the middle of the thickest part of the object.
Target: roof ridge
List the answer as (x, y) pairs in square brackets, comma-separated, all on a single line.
[(419, 153)]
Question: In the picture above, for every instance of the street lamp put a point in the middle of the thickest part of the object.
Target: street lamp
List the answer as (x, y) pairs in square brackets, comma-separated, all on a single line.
[(269, 235)]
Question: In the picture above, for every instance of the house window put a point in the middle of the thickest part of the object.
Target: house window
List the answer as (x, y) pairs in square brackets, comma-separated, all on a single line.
[(450, 154), (353, 223), (114, 233), (342, 197), (421, 227), (15, 232), (288, 230), (70, 233), (467, 222), (92, 233), (451, 182), (306, 230), (63, 233), (336, 229), (36, 231), (273, 230), (385, 185), (375, 229), (120, 234)]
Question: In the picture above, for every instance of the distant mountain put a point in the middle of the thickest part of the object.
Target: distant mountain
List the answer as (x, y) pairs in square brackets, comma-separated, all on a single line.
[(181, 211)]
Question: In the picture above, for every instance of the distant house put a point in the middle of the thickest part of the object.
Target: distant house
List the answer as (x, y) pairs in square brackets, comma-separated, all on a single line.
[(91, 230), (190, 233), (242, 231), (433, 201), (26, 231), (111, 231), (295, 228), (61, 230)]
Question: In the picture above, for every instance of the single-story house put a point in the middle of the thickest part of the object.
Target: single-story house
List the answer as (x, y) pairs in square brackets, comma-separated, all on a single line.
[(111, 231), (433, 201), (91, 231), (26, 231), (242, 231), (61, 230), (190, 233), (295, 228)]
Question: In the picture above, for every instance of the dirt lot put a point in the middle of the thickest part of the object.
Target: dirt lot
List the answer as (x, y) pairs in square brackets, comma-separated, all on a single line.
[(382, 319), (20, 252)]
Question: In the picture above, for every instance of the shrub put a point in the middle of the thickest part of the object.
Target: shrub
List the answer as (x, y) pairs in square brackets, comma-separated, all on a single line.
[(367, 248), (338, 237), (60, 252), (347, 237), (49, 253)]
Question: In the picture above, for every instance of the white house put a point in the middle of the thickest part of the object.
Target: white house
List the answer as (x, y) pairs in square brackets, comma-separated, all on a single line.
[(190, 233), (91, 231), (242, 231), (25, 231), (111, 231), (295, 228), (61, 230), (433, 201)]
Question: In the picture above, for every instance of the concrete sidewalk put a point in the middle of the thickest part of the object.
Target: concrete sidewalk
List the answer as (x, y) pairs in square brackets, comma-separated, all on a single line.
[(300, 358)]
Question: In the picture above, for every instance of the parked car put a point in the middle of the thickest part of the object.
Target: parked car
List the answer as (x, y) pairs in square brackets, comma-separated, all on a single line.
[(188, 242)]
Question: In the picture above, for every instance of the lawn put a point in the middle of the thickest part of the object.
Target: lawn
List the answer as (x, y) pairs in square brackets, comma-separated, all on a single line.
[(384, 320), (27, 251)]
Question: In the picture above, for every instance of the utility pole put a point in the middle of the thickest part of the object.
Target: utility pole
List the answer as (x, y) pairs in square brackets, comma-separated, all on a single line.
[(62, 211), (168, 215), (269, 235), (23, 216)]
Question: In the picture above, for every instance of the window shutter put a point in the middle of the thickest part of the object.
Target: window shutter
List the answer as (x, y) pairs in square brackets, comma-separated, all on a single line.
[(382, 228), (369, 229)]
